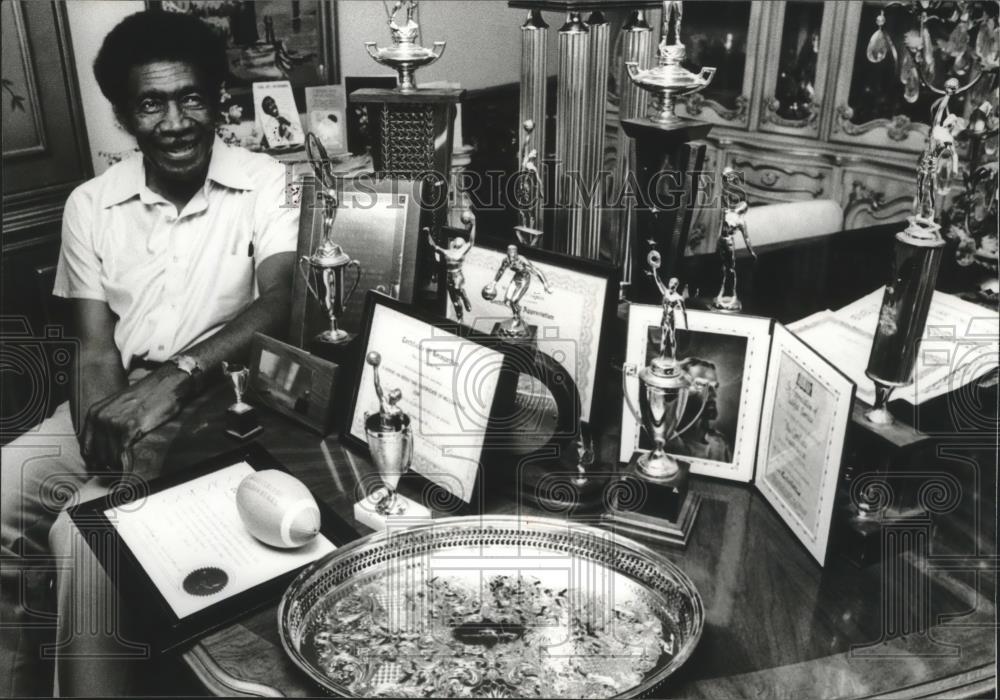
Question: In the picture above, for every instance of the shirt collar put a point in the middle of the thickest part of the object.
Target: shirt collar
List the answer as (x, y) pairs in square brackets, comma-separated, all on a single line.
[(129, 179)]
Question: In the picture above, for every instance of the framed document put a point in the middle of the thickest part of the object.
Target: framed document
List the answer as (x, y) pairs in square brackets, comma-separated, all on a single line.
[(726, 355), (457, 386), (293, 382), (567, 324), (376, 225), (807, 406), (179, 553)]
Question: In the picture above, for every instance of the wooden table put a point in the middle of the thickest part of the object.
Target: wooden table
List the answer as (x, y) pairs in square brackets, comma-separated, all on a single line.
[(921, 623)]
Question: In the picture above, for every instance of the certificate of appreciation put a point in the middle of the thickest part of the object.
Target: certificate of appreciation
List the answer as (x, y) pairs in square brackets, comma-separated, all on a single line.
[(807, 406)]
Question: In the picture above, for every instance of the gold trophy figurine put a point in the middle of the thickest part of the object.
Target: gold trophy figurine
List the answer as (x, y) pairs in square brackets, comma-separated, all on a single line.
[(733, 221), (454, 256), (405, 55), (523, 271), (528, 190)]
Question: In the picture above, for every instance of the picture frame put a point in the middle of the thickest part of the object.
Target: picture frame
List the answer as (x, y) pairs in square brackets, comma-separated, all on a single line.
[(358, 133), (266, 40), (570, 323), (734, 348), (326, 116), (293, 382), (376, 224), (807, 408), (461, 447)]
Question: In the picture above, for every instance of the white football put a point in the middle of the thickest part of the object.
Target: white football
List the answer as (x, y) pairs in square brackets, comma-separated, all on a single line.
[(277, 509)]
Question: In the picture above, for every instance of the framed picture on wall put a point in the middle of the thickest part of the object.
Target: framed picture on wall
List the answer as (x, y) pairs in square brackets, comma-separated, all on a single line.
[(266, 41)]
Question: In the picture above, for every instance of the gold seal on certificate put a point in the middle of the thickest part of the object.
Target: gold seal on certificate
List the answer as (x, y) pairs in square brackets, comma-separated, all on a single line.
[(241, 417)]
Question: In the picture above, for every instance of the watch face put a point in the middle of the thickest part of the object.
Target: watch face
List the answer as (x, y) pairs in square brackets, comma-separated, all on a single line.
[(187, 364)]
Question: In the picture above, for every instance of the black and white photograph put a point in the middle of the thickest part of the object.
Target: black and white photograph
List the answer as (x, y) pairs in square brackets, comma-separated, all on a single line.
[(499, 348)]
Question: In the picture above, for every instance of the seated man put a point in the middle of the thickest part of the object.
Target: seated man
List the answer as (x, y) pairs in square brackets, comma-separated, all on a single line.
[(170, 260)]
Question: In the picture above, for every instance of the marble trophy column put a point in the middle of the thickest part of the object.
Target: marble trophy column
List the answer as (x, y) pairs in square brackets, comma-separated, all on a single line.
[(592, 195), (571, 115)]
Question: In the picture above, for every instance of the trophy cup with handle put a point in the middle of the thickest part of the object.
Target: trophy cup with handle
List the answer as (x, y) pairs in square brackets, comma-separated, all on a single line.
[(405, 55), (241, 418), (390, 443), (666, 511), (324, 268)]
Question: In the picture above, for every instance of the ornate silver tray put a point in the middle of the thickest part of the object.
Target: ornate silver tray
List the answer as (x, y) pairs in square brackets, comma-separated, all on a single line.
[(491, 606)]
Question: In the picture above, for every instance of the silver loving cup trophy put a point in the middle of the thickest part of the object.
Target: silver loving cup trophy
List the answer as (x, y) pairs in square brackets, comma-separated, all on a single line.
[(241, 418), (323, 270), (405, 55), (390, 442), (669, 80), (664, 387)]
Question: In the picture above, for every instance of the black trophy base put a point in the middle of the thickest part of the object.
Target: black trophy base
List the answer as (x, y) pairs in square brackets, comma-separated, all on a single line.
[(526, 334), (242, 422), (562, 491), (663, 511)]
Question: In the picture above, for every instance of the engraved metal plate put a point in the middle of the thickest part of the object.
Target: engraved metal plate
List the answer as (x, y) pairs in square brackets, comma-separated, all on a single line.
[(491, 606)]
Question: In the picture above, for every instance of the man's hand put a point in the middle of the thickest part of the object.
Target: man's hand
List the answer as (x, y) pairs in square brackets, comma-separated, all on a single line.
[(114, 424)]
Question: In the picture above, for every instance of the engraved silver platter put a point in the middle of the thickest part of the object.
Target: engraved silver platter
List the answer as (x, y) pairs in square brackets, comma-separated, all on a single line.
[(491, 606)]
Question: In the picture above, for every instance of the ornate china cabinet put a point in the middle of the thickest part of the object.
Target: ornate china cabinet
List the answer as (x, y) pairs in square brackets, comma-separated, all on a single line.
[(800, 109)]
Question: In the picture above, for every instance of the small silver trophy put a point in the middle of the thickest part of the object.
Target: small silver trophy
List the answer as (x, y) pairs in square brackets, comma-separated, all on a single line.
[(324, 268), (733, 222), (390, 442), (523, 271), (669, 80), (241, 418), (405, 55)]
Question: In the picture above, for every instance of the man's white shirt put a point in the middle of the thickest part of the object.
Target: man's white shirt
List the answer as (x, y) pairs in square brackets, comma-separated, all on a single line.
[(172, 279)]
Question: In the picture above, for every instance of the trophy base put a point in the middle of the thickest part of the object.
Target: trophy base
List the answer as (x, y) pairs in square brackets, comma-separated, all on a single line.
[(561, 492), (334, 337), (507, 332), (661, 510), (242, 422), (371, 511), (727, 305)]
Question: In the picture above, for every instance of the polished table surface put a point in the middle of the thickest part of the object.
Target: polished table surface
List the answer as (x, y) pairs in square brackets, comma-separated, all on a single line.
[(920, 623)]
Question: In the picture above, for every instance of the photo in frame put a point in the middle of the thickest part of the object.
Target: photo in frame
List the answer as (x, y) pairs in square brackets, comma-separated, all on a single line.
[(807, 408), (277, 117), (726, 356), (358, 131), (293, 382), (568, 323), (376, 224), (326, 116), (266, 40)]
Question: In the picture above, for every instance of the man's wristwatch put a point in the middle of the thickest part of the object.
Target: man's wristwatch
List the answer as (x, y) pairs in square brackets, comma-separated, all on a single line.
[(189, 366)]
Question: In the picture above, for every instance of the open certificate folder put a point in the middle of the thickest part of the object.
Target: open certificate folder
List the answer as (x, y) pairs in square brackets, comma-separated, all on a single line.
[(193, 545)]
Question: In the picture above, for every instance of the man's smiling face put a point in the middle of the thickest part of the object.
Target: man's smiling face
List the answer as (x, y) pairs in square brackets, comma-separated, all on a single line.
[(173, 120)]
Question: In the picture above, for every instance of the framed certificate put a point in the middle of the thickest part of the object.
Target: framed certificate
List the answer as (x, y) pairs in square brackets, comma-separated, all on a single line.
[(807, 406), (567, 323), (376, 225), (727, 356), (457, 387), (178, 551)]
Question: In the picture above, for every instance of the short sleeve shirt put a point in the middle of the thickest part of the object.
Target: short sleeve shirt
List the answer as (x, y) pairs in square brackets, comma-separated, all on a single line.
[(174, 279)]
